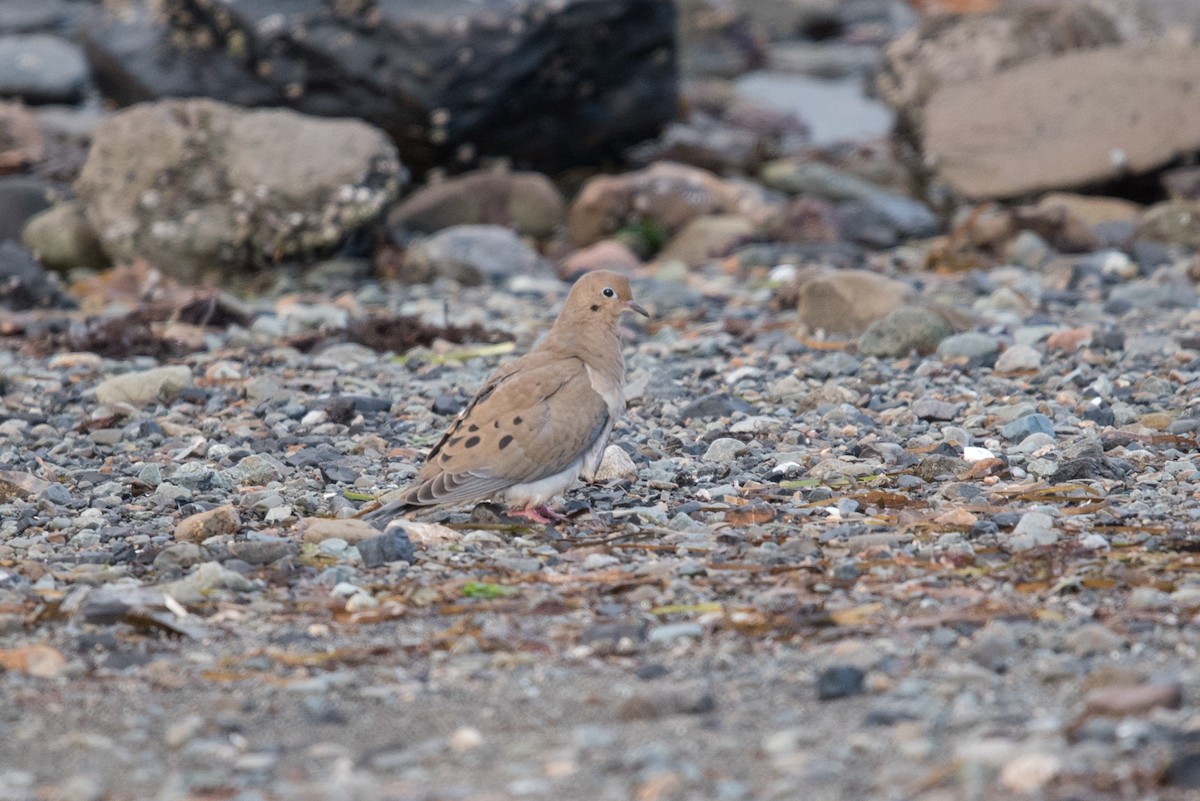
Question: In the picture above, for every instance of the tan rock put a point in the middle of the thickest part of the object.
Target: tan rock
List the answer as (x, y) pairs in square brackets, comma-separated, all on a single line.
[(223, 520), (706, 237), (62, 239), (945, 50), (1123, 701), (525, 201), (607, 254), (1093, 210), (1174, 221), (319, 529), (157, 384), (1075, 119), (666, 195), (847, 301)]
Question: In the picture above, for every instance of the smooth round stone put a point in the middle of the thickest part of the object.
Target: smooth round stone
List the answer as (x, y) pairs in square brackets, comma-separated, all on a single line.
[(1018, 358)]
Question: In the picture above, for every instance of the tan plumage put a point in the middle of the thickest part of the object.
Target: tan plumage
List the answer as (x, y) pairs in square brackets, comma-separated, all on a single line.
[(538, 422)]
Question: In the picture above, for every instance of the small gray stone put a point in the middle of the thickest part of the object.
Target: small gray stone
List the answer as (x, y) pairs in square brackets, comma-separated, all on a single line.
[(616, 465), (471, 255), (205, 582), (1149, 598), (42, 69), (933, 409), (1032, 530), (977, 349), (675, 631), (1022, 427), (391, 546), (724, 450), (179, 555), (260, 552), (56, 494), (1029, 250), (995, 645), (906, 329), (1019, 358), (106, 436), (257, 469), (150, 475), (1034, 442), (1094, 638)]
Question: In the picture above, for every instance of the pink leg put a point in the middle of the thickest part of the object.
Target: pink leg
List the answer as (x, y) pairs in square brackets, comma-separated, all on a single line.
[(538, 514)]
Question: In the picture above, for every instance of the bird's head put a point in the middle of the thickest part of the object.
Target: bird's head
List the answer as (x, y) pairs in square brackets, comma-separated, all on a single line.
[(601, 295)]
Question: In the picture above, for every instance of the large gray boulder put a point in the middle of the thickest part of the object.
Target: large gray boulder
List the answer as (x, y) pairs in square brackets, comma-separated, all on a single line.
[(197, 187), (548, 83)]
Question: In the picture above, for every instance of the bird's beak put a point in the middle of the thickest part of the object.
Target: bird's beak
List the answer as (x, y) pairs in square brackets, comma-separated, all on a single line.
[(633, 305)]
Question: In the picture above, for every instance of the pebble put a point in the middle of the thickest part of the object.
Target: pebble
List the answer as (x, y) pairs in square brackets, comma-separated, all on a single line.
[(160, 384), (674, 631), (840, 681), (1094, 638), (222, 521), (319, 529), (391, 546), (1032, 530), (724, 450), (974, 348), (1022, 427), (615, 465), (1018, 359)]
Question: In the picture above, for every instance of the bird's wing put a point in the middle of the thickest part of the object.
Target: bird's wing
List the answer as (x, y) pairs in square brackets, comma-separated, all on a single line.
[(532, 420)]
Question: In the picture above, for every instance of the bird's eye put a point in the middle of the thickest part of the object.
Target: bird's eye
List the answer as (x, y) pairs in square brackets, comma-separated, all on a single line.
[(608, 292)]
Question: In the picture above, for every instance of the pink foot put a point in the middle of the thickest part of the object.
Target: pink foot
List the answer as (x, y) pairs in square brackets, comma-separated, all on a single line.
[(538, 514)]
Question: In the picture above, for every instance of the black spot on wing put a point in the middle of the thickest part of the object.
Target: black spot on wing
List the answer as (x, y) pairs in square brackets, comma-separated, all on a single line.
[(471, 442), (472, 428), (505, 440), (518, 420)]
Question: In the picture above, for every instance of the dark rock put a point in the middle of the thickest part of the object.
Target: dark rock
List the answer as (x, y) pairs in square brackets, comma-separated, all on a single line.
[(719, 404), (934, 409), (308, 457), (1184, 771), (609, 634), (549, 84), (1089, 467), (652, 671), (24, 284), (840, 681), (21, 198), (1100, 415), (339, 474), (982, 528), (42, 69), (939, 464), (448, 405), (391, 546)]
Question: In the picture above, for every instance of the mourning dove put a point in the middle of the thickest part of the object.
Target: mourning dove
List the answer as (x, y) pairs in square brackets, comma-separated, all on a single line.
[(538, 422)]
